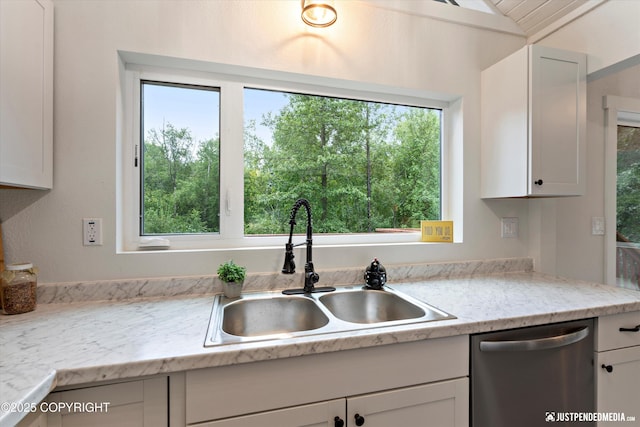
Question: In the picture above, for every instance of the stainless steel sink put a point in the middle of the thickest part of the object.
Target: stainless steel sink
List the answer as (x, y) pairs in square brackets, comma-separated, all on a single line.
[(370, 306), (267, 316), (272, 315)]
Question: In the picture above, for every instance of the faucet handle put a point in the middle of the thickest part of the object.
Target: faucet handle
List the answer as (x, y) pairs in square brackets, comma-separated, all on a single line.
[(314, 277)]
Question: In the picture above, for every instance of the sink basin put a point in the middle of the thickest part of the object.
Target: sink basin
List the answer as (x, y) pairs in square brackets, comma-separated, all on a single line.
[(266, 316), (369, 306), (271, 315)]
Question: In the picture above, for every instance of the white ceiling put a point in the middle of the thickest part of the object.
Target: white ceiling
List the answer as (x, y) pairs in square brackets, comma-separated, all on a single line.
[(533, 19), (533, 16)]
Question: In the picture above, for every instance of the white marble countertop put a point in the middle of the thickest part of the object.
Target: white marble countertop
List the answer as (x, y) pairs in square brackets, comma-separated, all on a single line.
[(84, 342)]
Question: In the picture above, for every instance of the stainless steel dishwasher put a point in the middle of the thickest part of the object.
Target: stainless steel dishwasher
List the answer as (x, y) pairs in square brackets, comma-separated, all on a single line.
[(533, 376)]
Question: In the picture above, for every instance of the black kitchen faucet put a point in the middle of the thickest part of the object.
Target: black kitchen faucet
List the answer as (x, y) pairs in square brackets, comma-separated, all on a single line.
[(310, 276)]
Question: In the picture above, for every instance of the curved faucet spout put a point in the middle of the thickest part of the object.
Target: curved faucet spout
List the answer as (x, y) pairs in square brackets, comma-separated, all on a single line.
[(289, 267)]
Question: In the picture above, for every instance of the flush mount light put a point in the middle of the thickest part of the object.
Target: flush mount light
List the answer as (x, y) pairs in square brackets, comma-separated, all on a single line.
[(318, 13)]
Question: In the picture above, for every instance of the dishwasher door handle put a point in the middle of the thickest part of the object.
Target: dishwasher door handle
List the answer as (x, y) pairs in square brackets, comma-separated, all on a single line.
[(536, 344)]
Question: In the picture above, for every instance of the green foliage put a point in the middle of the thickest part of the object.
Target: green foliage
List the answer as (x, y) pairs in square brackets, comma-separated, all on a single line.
[(181, 184), (362, 166), (628, 183), (416, 168), (231, 272)]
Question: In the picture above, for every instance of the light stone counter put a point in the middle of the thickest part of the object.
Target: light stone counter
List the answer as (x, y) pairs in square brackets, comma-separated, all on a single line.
[(117, 331)]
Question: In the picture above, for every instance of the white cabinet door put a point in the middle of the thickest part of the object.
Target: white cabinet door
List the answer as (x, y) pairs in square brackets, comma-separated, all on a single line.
[(35, 419), (442, 404), (558, 122), (140, 403), (229, 391), (26, 84), (533, 118), (618, 391), (323, 414)]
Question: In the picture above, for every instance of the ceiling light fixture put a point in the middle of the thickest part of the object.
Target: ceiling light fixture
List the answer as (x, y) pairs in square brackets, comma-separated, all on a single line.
[(318, 13)]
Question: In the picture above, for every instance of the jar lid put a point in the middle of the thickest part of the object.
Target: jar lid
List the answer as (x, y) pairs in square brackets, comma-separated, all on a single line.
[(21, 266)]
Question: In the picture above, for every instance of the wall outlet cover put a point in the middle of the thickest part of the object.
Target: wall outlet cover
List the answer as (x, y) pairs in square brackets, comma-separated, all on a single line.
[(92, 231)]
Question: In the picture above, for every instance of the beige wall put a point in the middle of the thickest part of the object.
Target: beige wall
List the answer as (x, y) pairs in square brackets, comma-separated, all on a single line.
[(608, 34), (367, 44), (580, 254), (610, 37)]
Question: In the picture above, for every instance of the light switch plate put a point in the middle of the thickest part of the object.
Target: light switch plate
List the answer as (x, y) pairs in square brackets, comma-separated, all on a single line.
[(509, 227), (597, 226)]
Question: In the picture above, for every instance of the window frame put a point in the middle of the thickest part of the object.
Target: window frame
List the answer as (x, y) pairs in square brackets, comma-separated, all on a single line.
[(141, 161), (231, 88), (616, 108)]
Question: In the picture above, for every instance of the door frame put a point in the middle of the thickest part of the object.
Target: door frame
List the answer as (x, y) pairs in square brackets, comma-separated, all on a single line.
[(617, 109)]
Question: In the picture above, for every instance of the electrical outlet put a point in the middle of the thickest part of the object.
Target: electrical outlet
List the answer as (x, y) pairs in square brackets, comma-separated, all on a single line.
[(509, 227), (92, 231)]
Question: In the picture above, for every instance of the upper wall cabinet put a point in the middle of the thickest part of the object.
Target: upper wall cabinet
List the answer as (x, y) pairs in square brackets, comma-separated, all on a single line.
[(26, 88), (534, 124)]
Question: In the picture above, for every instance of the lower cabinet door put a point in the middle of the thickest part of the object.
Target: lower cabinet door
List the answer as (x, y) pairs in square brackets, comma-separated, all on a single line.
[(618, 386), (34, 419), (323, 414), (140, 403), (442, 404)]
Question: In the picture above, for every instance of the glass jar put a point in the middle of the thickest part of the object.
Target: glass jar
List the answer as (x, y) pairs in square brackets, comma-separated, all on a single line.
[(18, 288)]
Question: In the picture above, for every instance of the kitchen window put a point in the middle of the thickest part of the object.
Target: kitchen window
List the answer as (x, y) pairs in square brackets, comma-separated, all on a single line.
[(216, 161), (365, 167), (179, 159)]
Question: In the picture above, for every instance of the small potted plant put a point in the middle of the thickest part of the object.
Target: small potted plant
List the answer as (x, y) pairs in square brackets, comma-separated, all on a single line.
[(232, 276)]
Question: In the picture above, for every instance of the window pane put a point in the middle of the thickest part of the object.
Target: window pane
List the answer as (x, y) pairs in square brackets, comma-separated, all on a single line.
[(364, 166), (180, 159), (628, 208)]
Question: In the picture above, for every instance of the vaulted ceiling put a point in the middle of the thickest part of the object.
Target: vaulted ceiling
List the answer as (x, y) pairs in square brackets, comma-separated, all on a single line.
[(533, 16), (533, 19)]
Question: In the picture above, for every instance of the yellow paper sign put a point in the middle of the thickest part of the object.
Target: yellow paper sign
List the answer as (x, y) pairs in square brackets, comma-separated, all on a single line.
[(437, 231)]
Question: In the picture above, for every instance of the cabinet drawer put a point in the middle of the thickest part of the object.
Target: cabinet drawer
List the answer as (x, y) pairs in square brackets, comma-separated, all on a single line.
[(611, 337)]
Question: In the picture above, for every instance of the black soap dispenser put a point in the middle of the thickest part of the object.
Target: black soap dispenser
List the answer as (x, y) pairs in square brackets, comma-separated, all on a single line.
[(375, 275)]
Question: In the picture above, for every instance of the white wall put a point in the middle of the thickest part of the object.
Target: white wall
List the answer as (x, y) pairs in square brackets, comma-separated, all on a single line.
[(367, 44), (610, 37), (608, 34), (580, 254)]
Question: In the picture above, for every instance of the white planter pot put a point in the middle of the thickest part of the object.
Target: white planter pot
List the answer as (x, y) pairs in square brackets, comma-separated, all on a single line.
[(232, 289)]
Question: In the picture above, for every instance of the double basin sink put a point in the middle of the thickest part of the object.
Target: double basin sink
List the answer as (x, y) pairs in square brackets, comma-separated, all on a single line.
[(272, 315)]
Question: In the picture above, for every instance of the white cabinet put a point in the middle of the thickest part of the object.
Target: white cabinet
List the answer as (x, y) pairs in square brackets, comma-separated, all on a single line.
[(442, 404), (321, 414), (617, 365), (533, 118), (34, 419), (399, 384), (26, 85), (141, 403)]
